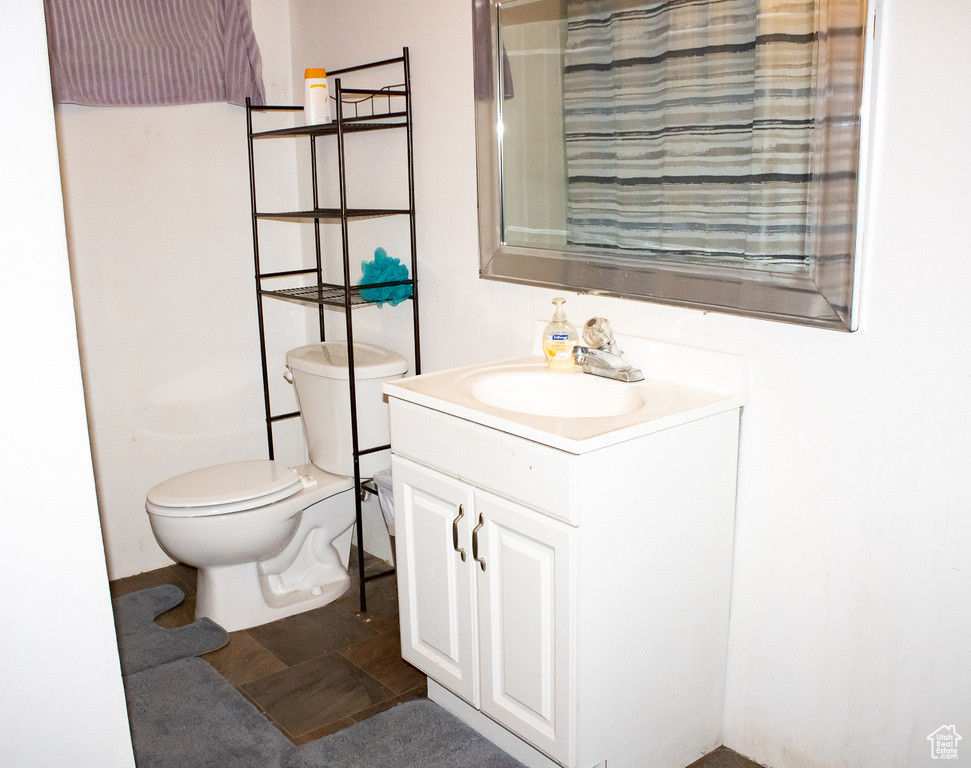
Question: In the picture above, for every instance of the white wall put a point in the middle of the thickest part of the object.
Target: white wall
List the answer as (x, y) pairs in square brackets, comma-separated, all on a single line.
[(852, 592), (158, 203), (61, 697), (854, 578)]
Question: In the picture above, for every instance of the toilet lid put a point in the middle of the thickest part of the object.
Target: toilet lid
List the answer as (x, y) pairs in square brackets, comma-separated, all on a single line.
[(242, 484)]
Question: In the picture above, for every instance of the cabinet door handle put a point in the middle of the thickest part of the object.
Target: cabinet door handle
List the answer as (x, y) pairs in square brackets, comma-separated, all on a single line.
[(475, 543), (455, 533)]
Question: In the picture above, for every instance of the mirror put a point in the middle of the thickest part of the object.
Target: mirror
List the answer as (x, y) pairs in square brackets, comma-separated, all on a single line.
[(705, 155)]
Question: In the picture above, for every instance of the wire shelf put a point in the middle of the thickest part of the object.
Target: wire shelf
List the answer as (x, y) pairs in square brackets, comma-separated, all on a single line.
[(333, 214), (329, 295)]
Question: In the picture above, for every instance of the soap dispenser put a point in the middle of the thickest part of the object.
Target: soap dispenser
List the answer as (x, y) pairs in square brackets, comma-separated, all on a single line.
[(559, 339)]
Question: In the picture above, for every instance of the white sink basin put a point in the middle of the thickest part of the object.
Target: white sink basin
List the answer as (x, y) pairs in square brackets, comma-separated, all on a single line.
[(544, 393), (579, 412)]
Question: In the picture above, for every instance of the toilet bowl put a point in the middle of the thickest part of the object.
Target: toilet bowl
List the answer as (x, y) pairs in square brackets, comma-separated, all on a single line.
[(268, 540)]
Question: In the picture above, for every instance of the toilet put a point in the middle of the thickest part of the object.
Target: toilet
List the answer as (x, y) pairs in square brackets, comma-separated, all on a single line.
[(269, 540)]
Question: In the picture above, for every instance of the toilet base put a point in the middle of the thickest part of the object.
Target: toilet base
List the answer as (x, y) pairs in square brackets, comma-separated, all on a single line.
[(309, 573), (232, 596)]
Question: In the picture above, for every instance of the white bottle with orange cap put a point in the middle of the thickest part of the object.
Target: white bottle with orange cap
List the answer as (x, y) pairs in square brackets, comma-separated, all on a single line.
[(316, 101)]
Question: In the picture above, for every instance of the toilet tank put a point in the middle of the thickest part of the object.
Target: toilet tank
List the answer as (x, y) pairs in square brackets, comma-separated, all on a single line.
[(322, 385)]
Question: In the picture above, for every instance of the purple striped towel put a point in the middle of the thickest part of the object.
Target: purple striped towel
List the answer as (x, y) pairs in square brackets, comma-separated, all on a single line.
[(137, 52)]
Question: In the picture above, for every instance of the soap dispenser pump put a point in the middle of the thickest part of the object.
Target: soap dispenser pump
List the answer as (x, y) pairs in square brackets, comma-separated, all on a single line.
[(559, 339)]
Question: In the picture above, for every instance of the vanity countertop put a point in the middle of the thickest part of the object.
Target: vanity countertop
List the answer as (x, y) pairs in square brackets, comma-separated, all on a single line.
[(577, 412)]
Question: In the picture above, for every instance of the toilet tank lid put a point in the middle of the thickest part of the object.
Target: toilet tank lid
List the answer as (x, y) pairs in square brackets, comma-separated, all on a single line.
[(226, 484), (329, 359)]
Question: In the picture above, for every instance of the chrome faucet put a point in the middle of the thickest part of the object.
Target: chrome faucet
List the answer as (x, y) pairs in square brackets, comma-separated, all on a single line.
[(601, 357)]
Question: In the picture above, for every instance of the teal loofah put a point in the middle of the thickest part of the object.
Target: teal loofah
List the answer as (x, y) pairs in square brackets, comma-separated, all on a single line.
[(384, 269)]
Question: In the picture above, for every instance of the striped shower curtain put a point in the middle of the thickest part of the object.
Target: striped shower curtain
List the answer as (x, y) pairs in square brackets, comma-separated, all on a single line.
[(690, 129)]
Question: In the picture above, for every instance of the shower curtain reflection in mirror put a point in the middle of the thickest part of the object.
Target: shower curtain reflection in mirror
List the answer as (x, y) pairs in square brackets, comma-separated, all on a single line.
[(703, 153), (686, 128)]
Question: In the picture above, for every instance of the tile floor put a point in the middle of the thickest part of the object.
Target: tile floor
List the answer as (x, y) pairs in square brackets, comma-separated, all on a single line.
[(321, 671)]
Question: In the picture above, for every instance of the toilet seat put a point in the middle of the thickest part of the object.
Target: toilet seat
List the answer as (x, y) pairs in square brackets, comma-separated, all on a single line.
[(223, 489)]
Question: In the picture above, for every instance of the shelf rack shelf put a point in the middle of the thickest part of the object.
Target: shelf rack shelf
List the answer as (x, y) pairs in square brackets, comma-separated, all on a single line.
[(334, 214), (334, 296), (358, 110), (350, 126)]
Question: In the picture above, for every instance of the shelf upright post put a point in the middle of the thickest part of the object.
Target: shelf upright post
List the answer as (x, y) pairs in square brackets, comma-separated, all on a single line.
[(258, 277), (319, 264), (349, 324), (411, 209)]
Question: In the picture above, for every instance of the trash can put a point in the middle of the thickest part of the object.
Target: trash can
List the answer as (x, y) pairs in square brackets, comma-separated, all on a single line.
[(382, 479)]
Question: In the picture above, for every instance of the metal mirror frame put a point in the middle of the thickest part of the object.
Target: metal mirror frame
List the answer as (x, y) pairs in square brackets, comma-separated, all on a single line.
[(823, 296)]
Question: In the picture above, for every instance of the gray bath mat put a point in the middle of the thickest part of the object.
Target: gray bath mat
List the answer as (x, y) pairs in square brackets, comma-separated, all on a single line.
[(186, 715), (143, 644), (417, 733)]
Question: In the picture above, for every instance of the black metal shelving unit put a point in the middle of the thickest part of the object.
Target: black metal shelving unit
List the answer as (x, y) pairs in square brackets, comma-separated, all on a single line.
[(387, 107)]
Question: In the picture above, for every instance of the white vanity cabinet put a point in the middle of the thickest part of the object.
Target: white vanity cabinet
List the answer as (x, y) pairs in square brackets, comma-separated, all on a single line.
[(596, 632), (486, 601)]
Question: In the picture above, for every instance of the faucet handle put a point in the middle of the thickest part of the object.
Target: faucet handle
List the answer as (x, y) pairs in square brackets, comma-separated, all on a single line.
[(597, 333)]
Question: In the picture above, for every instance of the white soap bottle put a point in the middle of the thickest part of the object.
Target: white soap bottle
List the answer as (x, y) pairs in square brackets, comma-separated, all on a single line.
[(559, 339), (316, 101)]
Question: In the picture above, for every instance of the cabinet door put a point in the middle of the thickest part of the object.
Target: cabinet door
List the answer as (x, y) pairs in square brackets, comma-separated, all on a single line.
[(435, 589), (526, 617)]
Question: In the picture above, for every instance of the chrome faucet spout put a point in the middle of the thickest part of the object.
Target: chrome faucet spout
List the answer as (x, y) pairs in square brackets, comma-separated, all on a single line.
[(601, 362), (601, 357)]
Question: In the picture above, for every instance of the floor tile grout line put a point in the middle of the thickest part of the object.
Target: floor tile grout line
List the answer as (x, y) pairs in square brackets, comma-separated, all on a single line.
[(183, 583), (267, 651), (269, 718), (363, 670)]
